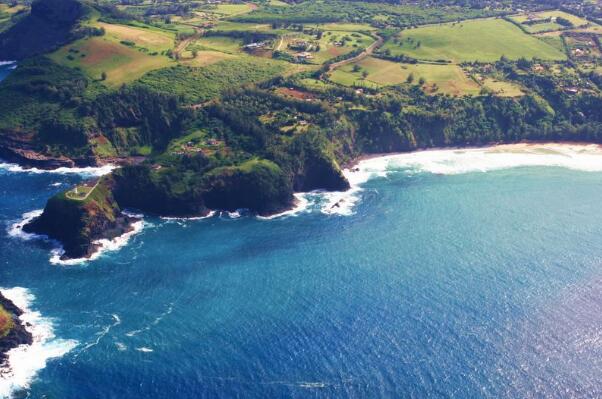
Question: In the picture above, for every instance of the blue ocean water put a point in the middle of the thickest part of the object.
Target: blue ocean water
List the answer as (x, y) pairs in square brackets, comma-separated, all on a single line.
[(438, 285)]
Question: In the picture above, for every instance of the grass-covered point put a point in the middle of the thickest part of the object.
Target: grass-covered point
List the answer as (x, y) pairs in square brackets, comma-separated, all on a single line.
[(79, 221)]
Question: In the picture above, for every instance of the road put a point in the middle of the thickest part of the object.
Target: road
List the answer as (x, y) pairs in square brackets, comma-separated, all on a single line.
[(368, 51)]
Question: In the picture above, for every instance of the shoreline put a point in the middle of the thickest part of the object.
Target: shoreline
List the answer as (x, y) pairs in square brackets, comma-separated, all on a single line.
[(24, 361), (98, 247), (583, 156), (524, 144), (18, 334)]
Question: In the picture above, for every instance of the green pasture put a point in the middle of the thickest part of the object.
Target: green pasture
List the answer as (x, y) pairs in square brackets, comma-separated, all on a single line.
[(484, 40)]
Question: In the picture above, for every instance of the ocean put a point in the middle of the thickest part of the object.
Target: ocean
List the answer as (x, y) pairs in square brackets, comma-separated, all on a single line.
[(445, 274)]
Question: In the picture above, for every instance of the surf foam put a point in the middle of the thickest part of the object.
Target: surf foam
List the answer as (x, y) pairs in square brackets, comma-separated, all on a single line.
[(93, 171), (582, 157), (104, 245), (25, 361)]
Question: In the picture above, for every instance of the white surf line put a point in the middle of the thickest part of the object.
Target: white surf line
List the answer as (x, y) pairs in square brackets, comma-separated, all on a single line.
[(582, 157), (156, 321), (25, 361), (86, 171), (15, 230)]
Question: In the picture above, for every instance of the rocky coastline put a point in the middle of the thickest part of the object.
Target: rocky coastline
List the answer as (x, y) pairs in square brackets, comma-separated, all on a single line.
[(18, 334)]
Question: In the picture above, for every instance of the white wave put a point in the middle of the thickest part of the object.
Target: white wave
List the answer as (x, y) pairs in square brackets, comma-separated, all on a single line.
[(25, 361), (157, 320), (86, 171), (2, 63), (301, 205), (121, 346), (192, 218), (16, 229), (100, 335), (583, 157), (233, 215), (104, 245), (144, 349)]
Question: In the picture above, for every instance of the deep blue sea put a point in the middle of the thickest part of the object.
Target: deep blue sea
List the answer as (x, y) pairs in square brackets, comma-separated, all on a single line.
[(456, 276)]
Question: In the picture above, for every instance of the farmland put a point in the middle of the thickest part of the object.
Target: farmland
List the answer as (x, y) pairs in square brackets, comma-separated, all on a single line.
[(448, 79), (547, 21), (120, 63), (478, 40)]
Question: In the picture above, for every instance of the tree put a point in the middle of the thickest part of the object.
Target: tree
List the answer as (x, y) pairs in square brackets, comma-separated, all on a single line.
[(410, 78), (103, 75), (356, 68), (195, 52), (421, 81), (365, 74)]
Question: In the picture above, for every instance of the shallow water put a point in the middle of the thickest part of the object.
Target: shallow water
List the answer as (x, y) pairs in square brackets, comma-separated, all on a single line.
[(457, 283)]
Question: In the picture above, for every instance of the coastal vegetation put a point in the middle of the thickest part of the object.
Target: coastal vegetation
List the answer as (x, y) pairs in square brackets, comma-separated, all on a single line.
[(230, 105)]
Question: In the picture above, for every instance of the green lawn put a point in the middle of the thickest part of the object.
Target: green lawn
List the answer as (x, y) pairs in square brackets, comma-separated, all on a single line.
[(484, 40)]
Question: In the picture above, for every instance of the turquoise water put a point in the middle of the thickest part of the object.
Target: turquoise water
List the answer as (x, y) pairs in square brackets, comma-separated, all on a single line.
[(459, 285)]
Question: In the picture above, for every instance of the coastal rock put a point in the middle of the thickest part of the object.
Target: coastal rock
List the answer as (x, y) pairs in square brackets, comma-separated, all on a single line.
[(17, 335), (77, 221)]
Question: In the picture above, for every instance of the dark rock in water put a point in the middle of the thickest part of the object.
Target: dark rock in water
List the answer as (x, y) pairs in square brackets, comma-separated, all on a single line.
[(77, 223), (18, 335)]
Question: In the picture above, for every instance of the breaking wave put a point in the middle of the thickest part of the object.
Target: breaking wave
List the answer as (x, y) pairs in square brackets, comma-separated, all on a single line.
[(103, 245), (25, 361)]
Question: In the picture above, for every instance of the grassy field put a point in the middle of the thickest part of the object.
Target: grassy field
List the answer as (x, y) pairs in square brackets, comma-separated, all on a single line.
[(553, 40), (251, 27), (502, 89), (197, 85), (547, 26), (449, 79), (345, 27), (98, 54), (206, 57), (150, 38), (328, 48), (484, 40), (224, 44)]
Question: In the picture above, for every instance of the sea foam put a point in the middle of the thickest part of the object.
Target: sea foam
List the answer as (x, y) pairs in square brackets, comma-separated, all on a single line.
[(25, 361), (583, 157), (92, 171), (104, 245)]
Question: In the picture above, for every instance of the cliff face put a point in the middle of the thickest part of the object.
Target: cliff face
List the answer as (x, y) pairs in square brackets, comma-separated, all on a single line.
[(14, 333), (142, 188), (258, 185), (77, 221)]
